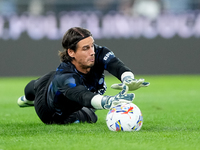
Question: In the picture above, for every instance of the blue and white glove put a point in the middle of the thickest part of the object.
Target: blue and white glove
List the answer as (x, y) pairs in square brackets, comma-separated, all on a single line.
[(132, 83), (107, 102)]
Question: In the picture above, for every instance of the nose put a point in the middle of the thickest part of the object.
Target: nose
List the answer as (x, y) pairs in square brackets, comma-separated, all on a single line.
[(92, 52)]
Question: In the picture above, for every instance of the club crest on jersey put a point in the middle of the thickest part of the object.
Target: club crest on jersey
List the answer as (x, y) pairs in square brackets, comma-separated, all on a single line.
[(101, 80)]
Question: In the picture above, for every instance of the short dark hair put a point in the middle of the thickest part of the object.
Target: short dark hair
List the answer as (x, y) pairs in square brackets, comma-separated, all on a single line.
[(70, 40)]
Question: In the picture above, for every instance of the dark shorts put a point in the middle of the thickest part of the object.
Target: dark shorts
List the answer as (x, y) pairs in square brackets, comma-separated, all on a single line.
[(49, 116)]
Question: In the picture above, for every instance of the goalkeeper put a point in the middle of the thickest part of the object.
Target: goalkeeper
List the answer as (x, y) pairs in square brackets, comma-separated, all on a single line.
[(75, 90)]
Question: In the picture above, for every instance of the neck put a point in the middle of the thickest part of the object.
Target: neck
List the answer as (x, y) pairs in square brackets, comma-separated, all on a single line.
[(84, 70)]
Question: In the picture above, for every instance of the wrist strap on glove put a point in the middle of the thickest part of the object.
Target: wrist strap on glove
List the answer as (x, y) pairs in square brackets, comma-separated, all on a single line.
[(106, 102)]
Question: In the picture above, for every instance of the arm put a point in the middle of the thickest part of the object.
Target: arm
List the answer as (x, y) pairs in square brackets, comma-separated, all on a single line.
[(80, 95), (86, 98), (124, 74), (117, 68), (75, 91)]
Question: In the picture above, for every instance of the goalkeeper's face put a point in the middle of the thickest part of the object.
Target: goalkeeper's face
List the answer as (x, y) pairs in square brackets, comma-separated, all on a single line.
[(84, 57)]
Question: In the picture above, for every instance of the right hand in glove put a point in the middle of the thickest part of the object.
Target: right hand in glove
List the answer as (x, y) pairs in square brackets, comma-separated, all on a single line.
[(108, 102)]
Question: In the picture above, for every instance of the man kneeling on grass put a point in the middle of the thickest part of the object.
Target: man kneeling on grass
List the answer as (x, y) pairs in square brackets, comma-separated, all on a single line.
[(75, 90)]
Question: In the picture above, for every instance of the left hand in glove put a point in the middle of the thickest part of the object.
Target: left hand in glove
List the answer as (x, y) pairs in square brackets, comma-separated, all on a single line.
[(133, 84)]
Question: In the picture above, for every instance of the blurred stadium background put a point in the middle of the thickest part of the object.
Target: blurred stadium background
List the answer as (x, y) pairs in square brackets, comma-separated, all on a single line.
[(150, 36)]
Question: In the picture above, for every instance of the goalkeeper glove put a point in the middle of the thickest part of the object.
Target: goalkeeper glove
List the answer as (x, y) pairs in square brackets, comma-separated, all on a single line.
[(132, 83), (107, 102)]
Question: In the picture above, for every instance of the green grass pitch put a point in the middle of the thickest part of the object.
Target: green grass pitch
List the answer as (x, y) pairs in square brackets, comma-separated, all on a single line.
[(170, 107)]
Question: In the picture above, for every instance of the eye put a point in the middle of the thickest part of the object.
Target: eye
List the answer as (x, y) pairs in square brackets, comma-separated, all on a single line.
[(85, 47)]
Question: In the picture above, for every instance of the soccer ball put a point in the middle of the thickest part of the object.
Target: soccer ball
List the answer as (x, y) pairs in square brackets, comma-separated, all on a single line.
[(124, 117)]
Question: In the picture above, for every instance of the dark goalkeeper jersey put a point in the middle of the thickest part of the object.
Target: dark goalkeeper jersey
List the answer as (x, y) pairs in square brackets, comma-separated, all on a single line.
[(70, 89)]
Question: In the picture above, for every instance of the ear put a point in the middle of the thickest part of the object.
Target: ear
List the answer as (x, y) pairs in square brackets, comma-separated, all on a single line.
[(71, 53)]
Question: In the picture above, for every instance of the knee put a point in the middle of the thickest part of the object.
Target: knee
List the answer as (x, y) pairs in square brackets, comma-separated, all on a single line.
[(89, 115), (29, 90), (84, 115)]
